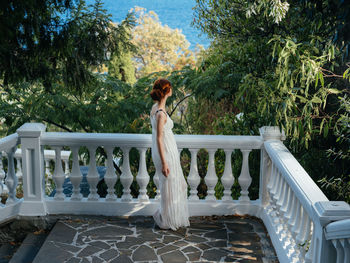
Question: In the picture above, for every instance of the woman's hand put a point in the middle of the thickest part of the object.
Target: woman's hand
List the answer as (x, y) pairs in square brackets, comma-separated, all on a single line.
[(165, 170)]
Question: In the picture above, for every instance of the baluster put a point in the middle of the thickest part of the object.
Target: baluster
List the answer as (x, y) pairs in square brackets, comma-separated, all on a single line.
[(340, 251), (2, 176), (19, 173), (277, 196), (275, 186), (304, 234), (272, 182), (227, 178), (110, 176), (280, 197), (193, 178), (11, 179), (211, 179), (309, 254), (297, 224), (126, 177), (285, 213), (296, 229), (58, 175), (142, 176), (66, 167), (281, 205), (293, 218), (286, 206), (76, 176), (345, 242), (93, 176), (244, 179), (272, 179)]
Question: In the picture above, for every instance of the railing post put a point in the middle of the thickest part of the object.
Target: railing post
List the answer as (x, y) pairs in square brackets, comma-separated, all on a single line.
[(323, 213), (267, 133), (33, 169)]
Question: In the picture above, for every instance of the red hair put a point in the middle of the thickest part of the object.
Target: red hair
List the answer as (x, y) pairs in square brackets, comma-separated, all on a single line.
[(161, 87)]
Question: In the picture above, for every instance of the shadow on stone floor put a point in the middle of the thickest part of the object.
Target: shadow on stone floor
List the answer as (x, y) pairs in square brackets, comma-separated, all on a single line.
[(137, 239)]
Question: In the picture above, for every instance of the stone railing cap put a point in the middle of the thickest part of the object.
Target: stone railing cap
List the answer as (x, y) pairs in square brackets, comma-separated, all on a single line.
[(272, 133), (31, 130), (328, 211)]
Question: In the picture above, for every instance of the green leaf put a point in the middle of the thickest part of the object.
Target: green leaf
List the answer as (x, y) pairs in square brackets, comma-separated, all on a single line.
[(316, 100)]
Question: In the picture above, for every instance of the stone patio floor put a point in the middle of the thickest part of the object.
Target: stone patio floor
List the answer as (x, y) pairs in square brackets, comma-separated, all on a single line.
[(85, 239)]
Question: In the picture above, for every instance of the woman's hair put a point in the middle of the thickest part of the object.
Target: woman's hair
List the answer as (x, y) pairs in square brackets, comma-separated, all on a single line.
[(161, 87)]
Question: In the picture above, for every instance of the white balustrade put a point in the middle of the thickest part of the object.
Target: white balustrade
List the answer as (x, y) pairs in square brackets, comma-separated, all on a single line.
[(244, 179), (93, 176), (211, 179), (110, 176), (193, 177), (299, 218), (126, 177), (76, 176), (11, 179), (142, 177), (58, 175), (338, 233), (227, 178)]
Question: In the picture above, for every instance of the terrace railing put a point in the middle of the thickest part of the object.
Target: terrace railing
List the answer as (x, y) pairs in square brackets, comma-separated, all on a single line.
[(298, 216)]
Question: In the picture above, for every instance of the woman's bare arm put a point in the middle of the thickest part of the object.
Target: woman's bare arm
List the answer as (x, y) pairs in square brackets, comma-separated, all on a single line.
[(161, 119)]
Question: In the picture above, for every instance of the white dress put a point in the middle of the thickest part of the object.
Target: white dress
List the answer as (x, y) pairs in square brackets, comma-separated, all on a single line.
[(173, 210)]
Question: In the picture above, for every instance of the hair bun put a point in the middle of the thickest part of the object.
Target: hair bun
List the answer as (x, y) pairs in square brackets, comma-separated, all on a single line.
[(161, 87), (156, 94)]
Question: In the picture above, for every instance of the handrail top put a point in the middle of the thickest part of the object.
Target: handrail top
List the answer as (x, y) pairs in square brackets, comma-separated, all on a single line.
[(9, 142), (305, 189), (145, 140), (337, 230), (48, 154)]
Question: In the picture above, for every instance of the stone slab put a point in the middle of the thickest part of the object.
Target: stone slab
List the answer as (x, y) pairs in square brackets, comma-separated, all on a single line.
[(29, 248), (114, 240)]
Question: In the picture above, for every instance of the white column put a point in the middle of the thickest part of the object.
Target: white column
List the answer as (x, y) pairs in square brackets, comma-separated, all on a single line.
[(345, 242), (227, 178), (193, 178), (11, 179), (267, 133), (126, 177), (110, 176), (211, 179), (142, 176), (340, 251), (93, 176), (244, 179), (293, 218), (32, 169), (58, 175), (76, 176)]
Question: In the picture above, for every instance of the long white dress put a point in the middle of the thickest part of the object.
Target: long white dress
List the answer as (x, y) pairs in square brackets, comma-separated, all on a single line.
[(173, 210)]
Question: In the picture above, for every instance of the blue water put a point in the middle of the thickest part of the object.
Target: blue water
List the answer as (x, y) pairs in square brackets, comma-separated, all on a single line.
[(174, 13)]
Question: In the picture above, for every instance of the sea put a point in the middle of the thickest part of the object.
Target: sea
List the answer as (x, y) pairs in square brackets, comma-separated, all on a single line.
[(174, 13)]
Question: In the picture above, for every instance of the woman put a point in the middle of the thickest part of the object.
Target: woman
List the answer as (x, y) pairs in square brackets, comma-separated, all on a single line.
[(173, 210)]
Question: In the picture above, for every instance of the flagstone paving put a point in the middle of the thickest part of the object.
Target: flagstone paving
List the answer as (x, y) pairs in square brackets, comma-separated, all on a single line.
[(82, 239)]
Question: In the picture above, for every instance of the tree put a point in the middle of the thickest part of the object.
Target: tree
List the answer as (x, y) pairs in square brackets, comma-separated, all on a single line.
[(54, 41), (293, 74), (159, 48)]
